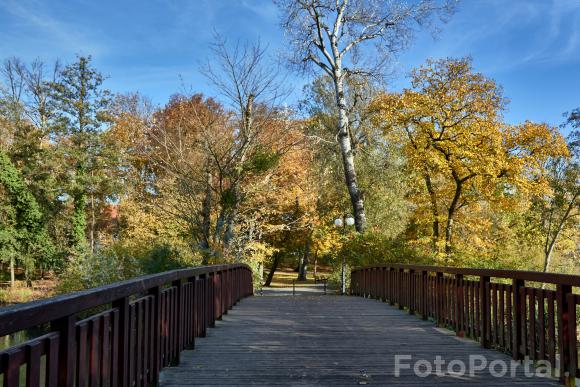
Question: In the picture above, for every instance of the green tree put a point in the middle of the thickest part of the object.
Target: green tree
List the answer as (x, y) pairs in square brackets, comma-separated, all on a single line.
[(29, 236), (82, 105)]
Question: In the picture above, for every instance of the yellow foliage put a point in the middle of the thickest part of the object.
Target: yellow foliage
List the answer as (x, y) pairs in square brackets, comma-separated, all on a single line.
[(460, 150)]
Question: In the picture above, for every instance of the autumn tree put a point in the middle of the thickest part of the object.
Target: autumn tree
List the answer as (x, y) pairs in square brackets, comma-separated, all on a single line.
[(558, 211), (251, 86), (191, 140), (333, 36), (458, 146)]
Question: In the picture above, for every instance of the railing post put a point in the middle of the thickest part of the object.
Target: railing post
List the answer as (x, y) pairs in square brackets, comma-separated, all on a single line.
[(123, 344), (400, 289), (179, 322), (439, 286), (203, 305), (382, 284), (223, 293), (215, 281), (564, 309), (459, 306), (518, 310), (211, 300), (572, 344), (484, 310), (376, 283), (390, 285), (156, 329), (66, 328), (364, 282), (424, 302), (410, 292), (193, 305)]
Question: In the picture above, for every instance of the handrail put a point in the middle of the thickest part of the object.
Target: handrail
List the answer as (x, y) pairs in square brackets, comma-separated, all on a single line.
[(148, 321), (513, 317), (524, 275)]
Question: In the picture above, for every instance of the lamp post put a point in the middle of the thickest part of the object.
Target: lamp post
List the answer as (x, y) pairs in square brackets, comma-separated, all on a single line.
[(342, 223)]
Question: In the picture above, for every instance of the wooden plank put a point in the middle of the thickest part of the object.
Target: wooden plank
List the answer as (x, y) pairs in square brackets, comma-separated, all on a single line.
[(52, 361), (551, 329), (105, 371), (291, 341), (12, 360), (33, 353), (94, 351), (532, 320), (82, 355), (541, 324)]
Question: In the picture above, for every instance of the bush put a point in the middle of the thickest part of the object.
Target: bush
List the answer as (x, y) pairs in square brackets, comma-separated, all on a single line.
[(118, 262), (373, 248)]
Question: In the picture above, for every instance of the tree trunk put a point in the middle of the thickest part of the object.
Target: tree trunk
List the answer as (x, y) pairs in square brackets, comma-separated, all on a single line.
[(348, 155), (275, 264), (12, 275), (79, 224), (315, 272), (93, 224), (302, 271), (550, 246), (435, 212), (260, 272), (450, 216), (206, 220)]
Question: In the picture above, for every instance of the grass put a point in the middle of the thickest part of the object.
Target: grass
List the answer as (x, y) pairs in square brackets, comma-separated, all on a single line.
[(20, 293), (283, 277)]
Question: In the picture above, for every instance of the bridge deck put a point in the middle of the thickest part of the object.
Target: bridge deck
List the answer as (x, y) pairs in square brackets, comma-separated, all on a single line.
[(326, 340)]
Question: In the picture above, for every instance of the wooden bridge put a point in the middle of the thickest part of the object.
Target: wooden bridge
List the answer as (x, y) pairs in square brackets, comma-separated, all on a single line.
[(156, 330)]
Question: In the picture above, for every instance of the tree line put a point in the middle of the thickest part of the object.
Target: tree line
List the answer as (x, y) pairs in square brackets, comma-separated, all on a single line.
[(97, 187)]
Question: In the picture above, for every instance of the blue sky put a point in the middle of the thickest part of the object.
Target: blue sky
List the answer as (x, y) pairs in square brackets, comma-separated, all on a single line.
[(530, 47)]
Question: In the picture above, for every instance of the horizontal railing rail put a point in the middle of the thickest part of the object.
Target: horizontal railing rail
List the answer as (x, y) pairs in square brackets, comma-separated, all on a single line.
[(136, 328), (528, 314)]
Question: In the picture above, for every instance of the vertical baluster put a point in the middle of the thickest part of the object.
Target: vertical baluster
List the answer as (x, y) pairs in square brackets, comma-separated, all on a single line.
[(82, 361), (132, 342), (410, 291), (564, 331), (33, 353), (52, 361), (178, 319), (67, 349), (105, 371), (541, 324), (525, 320), (493, 301), (501, 316), (94, 350), (518, 307), (459, 328), (122, 305), (532, 320), (551, 330), (12, 368), (484, 282), (572, 332), (509, 313)]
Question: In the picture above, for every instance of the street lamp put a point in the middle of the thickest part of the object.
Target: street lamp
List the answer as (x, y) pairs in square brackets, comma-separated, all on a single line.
[(343, 223)]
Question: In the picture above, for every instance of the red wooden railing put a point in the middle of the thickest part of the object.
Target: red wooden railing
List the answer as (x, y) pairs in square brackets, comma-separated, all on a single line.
[(141, 326), (528, 314)]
